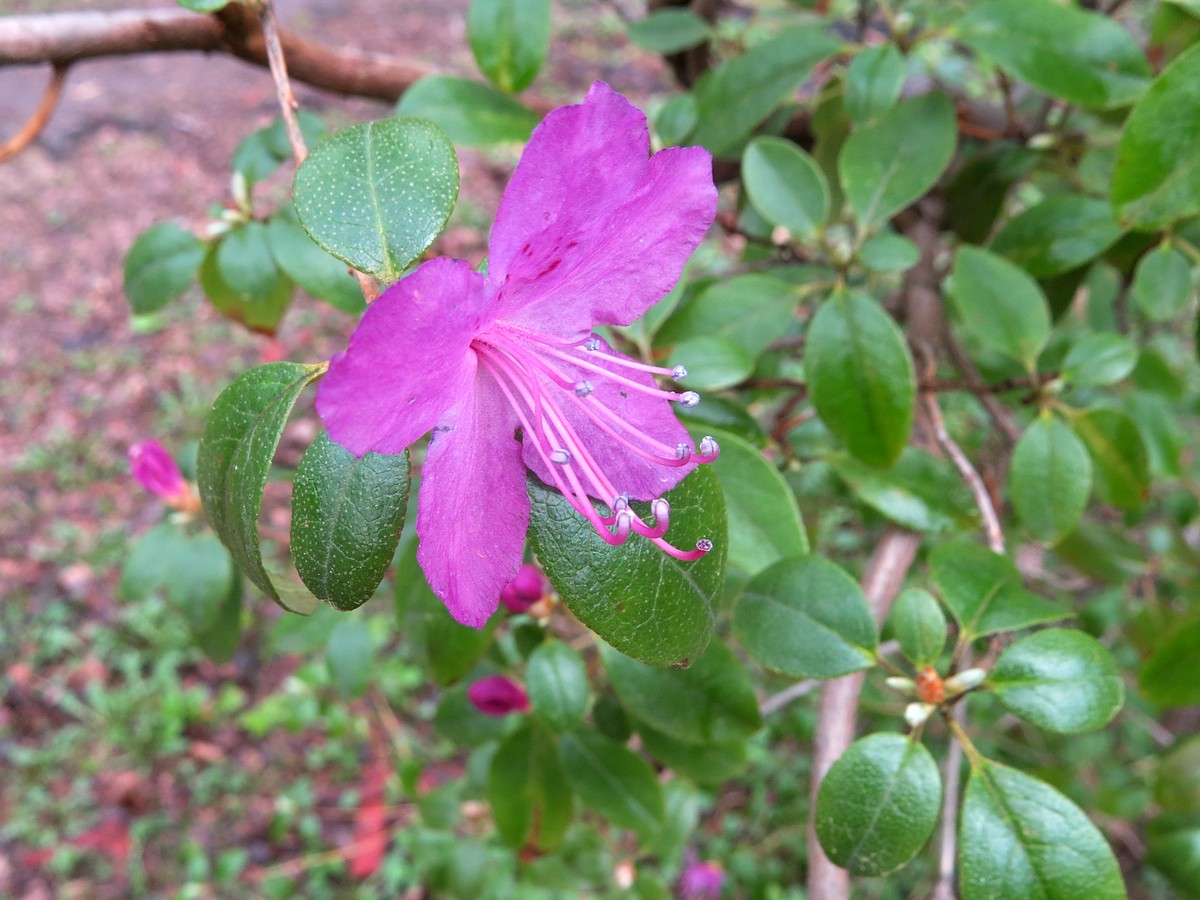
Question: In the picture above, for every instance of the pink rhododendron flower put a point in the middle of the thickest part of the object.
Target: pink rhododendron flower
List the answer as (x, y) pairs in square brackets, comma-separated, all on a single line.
[(154, 468), (525, 590), (498, 696), (701, 880), (506, 368)]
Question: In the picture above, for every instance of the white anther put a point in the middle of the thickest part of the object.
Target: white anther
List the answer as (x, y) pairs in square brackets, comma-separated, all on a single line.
[(560, 457), (679, 373), (688, 399), (682, 451), (593, 344), (709, 446), (661, 509), (583, 388), (621, 502), (704, 545)]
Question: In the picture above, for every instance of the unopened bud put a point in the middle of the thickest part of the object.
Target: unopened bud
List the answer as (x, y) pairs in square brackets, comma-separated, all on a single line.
[(965, 680), (900, 683), (916, 713)]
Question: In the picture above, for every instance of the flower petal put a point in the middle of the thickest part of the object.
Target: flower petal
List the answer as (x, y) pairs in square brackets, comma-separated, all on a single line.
[(409, 360), (592, 230), (473, 510)]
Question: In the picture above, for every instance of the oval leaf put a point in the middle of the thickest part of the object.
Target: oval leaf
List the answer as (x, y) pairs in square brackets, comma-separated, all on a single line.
[(920, 492), (1021, 838), (878, 804), (919, 626), (614, 781), (349, 656), (557, 682), (1099, 359), (528, 791), (1000, 304), (317, 273), (240, 437), (860, 377), (375, 195), (750, 310), (710, 763), (1162, 284), (1122, 474), (806, 618), (668, 31), (161, 264), (637, 598), (347, 514), (1050, 479), (1169, 676), (712, 361), (469, 112), (874, 80), (786, 185), (510, 39), (1057, 235), (1060, 680), (258, 312)]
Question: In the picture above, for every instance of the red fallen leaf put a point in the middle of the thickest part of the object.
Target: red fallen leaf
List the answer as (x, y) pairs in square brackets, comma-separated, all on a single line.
[(111, 837), (273, 351), (370, 824), (33, 859)]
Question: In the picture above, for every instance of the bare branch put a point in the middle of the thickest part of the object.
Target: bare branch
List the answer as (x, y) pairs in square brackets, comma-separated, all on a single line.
[(33, 126), (283, 87)]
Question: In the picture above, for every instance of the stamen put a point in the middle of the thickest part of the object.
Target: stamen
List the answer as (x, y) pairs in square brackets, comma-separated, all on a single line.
[(679, 373), (560, 457), (689, 399), (704, 545), (682, 451), (709, 449)]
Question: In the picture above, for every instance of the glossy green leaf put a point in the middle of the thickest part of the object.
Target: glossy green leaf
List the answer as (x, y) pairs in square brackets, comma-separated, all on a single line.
[(764, 521), (893, 160), (1173, 845), (349, 655), (738, 94), (1020, 838), (557, 682), (194, 571), (314, 270), (161, 264), (1162, 430), (711, 702), (1000, 304), (642, 601), (919, 626), (676, 118), (806, 618), (1060, 680), (240, 437), (860, 377), (220, 638), (786, 185), (920, 491), (983, 591), (258, 312), (245, 261), (614, 781), (1122, 469), (469, 112), (669, 30), (1169, 676), (750, 310), (510, 39), (375, 195), (873, 82), (713, 362), (263, 151), (1050, 479), (528, 791), (1156, 181), (878, 804), (1162, 284), (888, 253), (347, 513), (1177, 784), (710, 763), (1058, 234), (1099, 359), (1081, 57)]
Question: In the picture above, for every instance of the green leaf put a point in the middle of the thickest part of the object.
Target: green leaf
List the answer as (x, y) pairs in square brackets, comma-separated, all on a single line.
[(614, 781), (764, 521), (245, 261), (375, 195), (161, 264), (1122, 472), (469, 112), (711, 702), (349, 656), (1169, 676), (711, 763), (1177, 783), (458, 721), (983, 591), (1099, 359), (919, 626), (806, 618), (750, 310), (528, 791), (203, 6), (219, 640), (261, 152), (258, 312), (668, 31), (885, 252), (1162, 284), (738, 94), (1156, 180), (1050, 479), (557, 682), (645, 603), (860, 377), (1173, 844), (1000, 304), (873, 82), (1020, 838), (893, 160), (194, 571), (347, 514), (235, 454), (510, 39), (317, 273), (713, 362), (976, 193), (1059, 679), (1081, 57), (676, 118), (920, 492), (785, 185), (1057, 235), (878, 804)]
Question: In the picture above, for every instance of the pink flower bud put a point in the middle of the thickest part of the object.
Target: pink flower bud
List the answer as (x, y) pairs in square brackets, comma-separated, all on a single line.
[(525, 590), (701, 881), (498, 696), (155, 470)]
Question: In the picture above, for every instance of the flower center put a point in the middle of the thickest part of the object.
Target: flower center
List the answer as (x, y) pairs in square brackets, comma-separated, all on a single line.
[(526, 365)]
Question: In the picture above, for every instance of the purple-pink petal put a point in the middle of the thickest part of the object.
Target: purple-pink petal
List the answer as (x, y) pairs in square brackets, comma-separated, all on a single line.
[(592, 230), (701, 881), (409, 361), (154, 468), (525, 590), (496, 695), (473, 508)]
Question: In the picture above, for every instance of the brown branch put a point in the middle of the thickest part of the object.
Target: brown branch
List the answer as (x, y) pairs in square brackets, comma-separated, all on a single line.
[(33, 126), (838, 706), (283, 87)]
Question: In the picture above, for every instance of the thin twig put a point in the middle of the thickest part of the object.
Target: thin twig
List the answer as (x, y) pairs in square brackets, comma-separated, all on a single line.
[(37, 122), (283, 87), (778, 701)]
